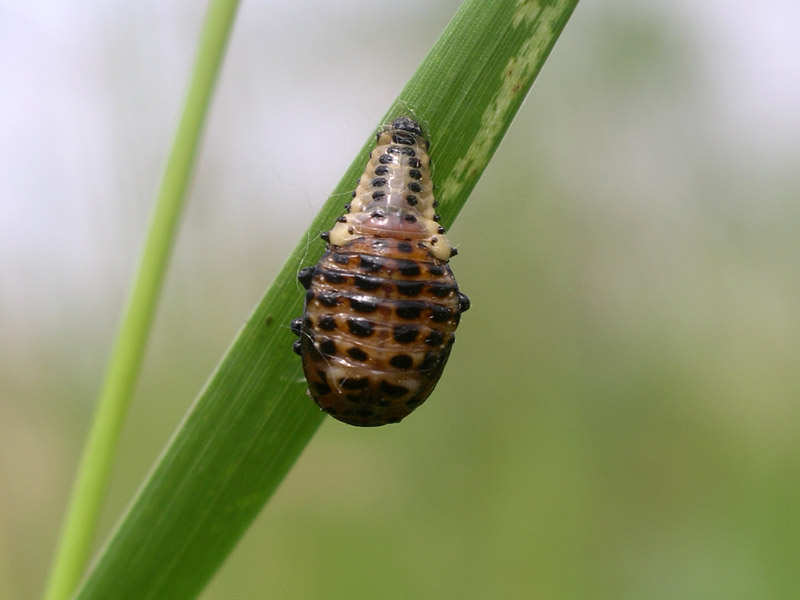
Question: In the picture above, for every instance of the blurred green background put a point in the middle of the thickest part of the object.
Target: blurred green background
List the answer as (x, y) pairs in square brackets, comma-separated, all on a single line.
[(619, 417)]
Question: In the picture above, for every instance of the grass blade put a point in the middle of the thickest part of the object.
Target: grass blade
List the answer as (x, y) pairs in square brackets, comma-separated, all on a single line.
[(252, 419), (91, 482)]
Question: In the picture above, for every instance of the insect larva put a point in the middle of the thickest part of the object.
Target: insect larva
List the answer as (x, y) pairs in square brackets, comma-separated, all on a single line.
[(381, 304)]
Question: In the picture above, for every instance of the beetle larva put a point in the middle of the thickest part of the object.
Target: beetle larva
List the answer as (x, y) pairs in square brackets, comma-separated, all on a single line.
[(382, 304)]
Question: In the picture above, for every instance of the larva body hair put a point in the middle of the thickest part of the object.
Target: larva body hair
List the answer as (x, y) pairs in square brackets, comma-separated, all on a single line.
[(382, 304)]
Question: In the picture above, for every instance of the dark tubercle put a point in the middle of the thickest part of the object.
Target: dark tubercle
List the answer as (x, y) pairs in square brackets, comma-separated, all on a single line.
[(463, 302), (297, 325), (305, 275)]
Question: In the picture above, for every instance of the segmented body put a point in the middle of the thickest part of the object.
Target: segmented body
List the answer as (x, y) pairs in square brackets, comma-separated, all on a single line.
[(381, 305)]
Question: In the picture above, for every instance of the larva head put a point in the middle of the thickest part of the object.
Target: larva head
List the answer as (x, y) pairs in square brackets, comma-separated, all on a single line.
[(407, 125)]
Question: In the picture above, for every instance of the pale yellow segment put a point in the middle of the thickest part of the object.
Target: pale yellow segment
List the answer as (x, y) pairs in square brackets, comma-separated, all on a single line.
[(396, 190)]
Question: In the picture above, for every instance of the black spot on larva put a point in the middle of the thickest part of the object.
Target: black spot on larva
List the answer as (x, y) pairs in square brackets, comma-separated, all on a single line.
[(327, 347), (402, 138), (385, 159), (436, 270), (411, 199), (434, 338), (328, 298), (437, 218), (379, 243), (326, 236), (360, 327), (415, 187), (378, 182), (401, 361), (393, 391), (440, 230), (409, 309), (308, 322), (322, 388), (405, 247), (410, 288), (297, 326), (364, 304), (440, 290), (355, 384), (414, 163), (409, 268), (430, 361), (309, 296), (414, 402), (341, 259), (453, 252), (327, 323), (370, 263), (357, 354), (347, 207), (296, 347), (410, 218), (377, 195), (463, 302), (381, 170), (353, 194), (333, 276), (305, 275), (440, 314), (414, 174), (401, 150), (378, 214), (342, 219), (367, 282), (405, 334)]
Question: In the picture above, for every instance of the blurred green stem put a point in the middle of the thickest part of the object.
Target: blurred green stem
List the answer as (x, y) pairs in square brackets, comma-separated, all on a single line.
[(91, 482)]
